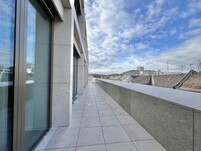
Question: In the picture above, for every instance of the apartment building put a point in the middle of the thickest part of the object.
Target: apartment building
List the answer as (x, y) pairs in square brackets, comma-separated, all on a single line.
[(43, 67)]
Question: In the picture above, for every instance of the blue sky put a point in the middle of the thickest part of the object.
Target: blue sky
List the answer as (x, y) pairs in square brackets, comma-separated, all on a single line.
[(125, 34), (7, 20), (7, 24), (31, 34)]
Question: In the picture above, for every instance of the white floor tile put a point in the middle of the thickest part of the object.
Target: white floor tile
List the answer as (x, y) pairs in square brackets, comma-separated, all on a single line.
[(90, 122), (126, 120), (92, 148), (127, 146), (64, 137), (90, 136), (109, 121), (149, 145), (106, 113), (115, 134), (137, 132)]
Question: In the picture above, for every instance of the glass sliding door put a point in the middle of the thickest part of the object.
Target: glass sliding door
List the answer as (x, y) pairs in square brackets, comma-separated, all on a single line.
[(37, 74), (75, 73), (7, 36)]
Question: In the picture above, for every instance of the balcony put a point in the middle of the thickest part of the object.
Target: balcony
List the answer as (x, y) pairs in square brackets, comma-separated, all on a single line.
[(99, 123)]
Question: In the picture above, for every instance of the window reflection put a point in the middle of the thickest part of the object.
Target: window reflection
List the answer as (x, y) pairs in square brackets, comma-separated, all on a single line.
[(7, 24), (31, 40), (37, 74)]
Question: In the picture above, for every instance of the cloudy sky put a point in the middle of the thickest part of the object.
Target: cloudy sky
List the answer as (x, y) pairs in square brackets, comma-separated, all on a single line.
[(125, 34), (7, 19)]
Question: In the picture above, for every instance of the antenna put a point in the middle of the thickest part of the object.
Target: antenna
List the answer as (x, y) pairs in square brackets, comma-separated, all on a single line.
[(181, 68), (199, 67), (167, 67)]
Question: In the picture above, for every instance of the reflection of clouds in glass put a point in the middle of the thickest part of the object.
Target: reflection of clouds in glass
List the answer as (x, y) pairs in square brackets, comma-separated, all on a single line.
[(6, 57), (7, 23), (31, 34)]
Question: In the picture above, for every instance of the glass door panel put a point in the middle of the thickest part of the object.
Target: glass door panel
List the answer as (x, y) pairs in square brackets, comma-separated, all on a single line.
[(37, 74), (7, 36), (75, 74)]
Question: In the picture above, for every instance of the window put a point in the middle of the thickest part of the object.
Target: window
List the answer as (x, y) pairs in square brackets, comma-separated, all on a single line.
[(24, 72), (7, 36), (77, 7), (75, 73), (37, 74)]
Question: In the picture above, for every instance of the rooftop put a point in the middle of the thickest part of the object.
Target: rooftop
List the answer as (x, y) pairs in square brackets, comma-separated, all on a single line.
[(193, 83), (142, 80), (99, 124), (168, 80)]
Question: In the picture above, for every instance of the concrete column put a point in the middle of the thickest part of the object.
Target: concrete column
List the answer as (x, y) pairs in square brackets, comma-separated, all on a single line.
[(62, 70)]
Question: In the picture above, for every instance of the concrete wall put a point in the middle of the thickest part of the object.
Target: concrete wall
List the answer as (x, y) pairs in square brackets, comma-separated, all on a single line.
[(62, 58), (197, 129), (175, 126), (62, 69)]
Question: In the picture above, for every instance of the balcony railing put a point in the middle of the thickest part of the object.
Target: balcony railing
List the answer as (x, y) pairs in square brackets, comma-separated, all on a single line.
[(173, 117)]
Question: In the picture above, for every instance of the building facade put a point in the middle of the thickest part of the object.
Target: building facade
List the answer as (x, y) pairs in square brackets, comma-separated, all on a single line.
[(43, 67)]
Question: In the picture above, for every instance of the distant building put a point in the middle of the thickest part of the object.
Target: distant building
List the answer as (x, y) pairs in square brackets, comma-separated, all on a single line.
[(131, 72), (128, 78), (115, 77), (118, 77), (190, 81), (168, 80), (105, 77), (146, 80), (158, 72), (193, 83), (140, 71)]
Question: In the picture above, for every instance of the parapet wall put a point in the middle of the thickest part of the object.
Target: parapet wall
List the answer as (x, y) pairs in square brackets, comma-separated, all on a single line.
[(173, 117)]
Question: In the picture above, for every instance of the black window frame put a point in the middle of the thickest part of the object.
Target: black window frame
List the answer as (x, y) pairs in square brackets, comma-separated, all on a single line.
[(75, 73), (77, 7)]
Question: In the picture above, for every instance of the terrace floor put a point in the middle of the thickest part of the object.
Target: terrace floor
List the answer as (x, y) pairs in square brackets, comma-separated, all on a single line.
[(99, 124)]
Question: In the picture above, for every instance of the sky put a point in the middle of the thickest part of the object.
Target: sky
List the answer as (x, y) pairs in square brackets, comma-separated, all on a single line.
[(125, 34), (7, 33), (7, 19)]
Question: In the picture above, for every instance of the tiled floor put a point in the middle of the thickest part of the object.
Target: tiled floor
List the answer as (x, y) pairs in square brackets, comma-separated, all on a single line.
[(99, 124)]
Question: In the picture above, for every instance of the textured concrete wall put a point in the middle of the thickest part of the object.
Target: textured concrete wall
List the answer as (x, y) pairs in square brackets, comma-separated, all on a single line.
[(64, 35), (197, 129), (176, 127), (62, 70), (85, 75), (170, 124)]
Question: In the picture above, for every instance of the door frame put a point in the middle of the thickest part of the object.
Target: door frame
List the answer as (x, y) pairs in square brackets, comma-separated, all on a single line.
[(20, 41)]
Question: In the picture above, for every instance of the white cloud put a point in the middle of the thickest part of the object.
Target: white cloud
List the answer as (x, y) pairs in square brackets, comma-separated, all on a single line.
[(193, 7), (137, 31), (173, 32), (149, 22), (191, 33), (112, 30), (195, 22), (160, 2), (187, 53)]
